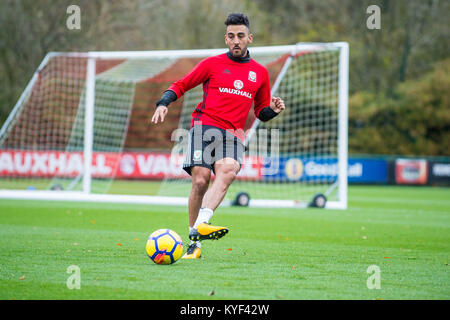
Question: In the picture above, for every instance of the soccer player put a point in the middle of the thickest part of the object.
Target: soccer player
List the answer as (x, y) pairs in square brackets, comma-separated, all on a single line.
[(232, 82)]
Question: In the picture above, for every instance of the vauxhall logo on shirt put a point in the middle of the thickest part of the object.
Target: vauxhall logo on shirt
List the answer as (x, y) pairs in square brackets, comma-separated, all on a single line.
[(238, 85)]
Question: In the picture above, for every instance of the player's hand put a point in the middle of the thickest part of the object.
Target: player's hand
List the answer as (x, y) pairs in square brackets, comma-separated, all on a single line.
[(277, 104), (160, 112)]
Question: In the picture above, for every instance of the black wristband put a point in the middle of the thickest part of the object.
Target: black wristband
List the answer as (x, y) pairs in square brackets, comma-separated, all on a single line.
[(168, 97), (266, 114)]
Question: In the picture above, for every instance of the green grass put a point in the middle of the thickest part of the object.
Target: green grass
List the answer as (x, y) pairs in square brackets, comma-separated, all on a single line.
[(268, 254)]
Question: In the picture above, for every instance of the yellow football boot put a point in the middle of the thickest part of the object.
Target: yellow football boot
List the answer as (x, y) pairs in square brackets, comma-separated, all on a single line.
[(193, 252), (206, 231)]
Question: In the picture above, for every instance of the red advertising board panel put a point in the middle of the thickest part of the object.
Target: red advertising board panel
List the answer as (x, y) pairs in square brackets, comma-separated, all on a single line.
[(126, 165), (411, 171)]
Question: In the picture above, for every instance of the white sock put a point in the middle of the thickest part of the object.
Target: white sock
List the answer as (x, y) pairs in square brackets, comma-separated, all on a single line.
[(198, 243), (203, 216)]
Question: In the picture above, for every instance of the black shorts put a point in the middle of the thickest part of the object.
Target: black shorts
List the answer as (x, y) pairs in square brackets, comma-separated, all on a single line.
[(208, 144)]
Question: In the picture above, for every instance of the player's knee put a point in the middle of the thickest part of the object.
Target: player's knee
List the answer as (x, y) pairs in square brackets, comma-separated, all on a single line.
[(200, 183), (229, 176), (232, 175)]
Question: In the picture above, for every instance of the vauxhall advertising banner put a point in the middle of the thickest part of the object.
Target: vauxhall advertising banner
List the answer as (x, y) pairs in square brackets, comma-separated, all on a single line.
[(152, 165), (157, 165), (126, 165)]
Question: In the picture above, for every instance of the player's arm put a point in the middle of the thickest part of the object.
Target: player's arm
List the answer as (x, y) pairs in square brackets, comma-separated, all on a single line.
[(266, 107), (196, 76)]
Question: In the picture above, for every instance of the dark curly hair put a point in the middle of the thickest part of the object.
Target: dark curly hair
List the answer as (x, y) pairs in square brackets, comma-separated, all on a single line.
[(237, 19)]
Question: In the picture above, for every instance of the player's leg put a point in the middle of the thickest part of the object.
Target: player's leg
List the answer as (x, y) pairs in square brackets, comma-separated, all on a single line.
[(200, 182), (228, 159), (200, 171), (226, 170), (229, 153)]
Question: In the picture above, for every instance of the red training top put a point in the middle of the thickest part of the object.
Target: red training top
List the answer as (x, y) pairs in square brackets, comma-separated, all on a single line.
[(229, 89)]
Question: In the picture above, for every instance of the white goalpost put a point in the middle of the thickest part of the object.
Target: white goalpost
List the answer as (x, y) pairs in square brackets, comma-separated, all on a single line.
[(80, 131)]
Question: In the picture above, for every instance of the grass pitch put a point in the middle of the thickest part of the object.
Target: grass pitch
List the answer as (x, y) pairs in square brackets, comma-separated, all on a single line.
[(268, 254)]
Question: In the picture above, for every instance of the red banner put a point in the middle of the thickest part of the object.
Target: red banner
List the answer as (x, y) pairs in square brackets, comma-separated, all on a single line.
[(127, 165), (411, 171)]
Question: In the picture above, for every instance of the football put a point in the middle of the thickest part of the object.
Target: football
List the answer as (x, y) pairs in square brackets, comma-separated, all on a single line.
[(164, 246)]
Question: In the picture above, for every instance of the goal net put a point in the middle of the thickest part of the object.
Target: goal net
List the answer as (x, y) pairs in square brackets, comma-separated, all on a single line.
[(81, 129)]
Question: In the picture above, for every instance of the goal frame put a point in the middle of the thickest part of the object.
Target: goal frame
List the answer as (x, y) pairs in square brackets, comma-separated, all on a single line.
[(86, 196)]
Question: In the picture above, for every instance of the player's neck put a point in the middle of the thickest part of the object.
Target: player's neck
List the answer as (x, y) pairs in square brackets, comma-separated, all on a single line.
[(241, 59)]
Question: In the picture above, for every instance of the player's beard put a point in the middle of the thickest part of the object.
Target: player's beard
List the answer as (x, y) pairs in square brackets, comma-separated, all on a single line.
[(239, 54)]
